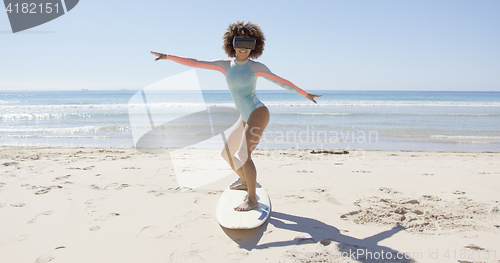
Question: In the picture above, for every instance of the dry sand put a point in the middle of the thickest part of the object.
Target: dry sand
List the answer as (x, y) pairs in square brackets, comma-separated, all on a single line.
[(119, 205)]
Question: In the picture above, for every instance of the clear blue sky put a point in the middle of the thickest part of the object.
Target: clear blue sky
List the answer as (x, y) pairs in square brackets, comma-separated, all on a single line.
[(318, 45)]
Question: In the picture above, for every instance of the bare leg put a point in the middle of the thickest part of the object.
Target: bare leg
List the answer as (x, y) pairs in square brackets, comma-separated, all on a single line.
[(232, 145), (254, 129)]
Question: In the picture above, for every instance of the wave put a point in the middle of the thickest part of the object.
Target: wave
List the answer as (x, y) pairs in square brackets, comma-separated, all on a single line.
[(377, 114), (451, 139), (467, 142), (9, 101), (451, 114), (66, 130), (59, 116), (384, 104), (38, 136), (42, 116), (462, 137), (116, 106), (188, 130), (468, 114), (269, 103), (322, 113)]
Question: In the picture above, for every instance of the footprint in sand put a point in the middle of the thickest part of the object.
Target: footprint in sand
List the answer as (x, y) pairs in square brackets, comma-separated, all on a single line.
[(43, 191), (95, 187), (10, 163), (107, 216), (214, 192), (48, 256), (94, 228), (236, 256), (21, 237), (148, 231), (474, 247), (362, 171), (78, 168), (388, 190), (47, 189), (92, 201), (332, 200), (431, 198), (120, 187), (303, 240), (46, 213), (111, 185), (63, 177)]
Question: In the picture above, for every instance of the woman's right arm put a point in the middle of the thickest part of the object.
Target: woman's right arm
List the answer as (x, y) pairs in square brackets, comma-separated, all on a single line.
[(220, 65)]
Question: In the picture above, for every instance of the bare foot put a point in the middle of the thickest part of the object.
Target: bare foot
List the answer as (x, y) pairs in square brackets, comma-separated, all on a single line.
[(239, 187), (247, 205)]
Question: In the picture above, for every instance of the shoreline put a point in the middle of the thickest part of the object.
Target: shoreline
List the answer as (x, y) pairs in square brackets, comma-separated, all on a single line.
[(258, 149)]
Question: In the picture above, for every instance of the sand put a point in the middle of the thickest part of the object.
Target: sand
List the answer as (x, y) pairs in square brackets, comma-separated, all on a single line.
[(120, 205)]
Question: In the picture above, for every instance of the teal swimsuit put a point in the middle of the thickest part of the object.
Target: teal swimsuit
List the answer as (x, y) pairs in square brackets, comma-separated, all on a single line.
[(241, 81), (241, 78)]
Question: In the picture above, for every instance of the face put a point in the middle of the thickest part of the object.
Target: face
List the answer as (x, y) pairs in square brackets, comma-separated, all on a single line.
[(242, 53)]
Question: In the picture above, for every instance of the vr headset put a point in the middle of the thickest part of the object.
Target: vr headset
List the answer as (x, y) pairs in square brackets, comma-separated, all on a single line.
[(244, 42)]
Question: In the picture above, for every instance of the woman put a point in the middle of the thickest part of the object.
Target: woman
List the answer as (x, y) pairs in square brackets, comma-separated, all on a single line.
[(241, 42)]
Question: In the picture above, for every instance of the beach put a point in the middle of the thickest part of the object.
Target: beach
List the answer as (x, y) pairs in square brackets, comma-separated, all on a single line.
[(374, 127), (92, 204)]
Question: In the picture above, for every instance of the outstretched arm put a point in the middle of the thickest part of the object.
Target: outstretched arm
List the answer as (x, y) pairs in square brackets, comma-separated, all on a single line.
[(219, 65), (261, 70)]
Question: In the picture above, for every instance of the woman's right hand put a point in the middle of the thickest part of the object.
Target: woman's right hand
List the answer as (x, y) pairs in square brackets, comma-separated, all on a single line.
[(159, 55), (312, 96)]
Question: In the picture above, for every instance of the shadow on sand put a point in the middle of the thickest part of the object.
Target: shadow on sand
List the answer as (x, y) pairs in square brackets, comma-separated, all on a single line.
[(362, 250), (246, 238)]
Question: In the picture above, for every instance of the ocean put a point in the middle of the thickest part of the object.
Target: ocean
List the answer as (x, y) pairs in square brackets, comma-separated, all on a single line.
[(356, 120)]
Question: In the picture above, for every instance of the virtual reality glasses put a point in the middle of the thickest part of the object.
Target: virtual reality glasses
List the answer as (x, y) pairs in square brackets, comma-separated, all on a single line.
[(244, 42)]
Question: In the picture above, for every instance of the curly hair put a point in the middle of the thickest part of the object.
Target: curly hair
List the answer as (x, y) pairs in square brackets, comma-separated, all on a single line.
[(241, 29)]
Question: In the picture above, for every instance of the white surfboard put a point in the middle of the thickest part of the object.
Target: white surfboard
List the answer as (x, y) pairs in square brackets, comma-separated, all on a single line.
[(229, 218)]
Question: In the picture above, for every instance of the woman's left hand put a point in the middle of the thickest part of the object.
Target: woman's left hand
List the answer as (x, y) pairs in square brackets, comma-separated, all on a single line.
[(159, 55), (312, 96)]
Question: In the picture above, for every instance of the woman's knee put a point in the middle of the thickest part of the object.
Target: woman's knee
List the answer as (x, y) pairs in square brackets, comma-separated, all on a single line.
[(244, 155)]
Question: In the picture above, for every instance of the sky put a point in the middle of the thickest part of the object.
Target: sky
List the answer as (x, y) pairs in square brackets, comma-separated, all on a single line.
[(451, 45)]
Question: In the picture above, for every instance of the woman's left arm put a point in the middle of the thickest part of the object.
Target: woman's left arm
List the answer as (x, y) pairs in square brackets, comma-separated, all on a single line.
[(262, 70)]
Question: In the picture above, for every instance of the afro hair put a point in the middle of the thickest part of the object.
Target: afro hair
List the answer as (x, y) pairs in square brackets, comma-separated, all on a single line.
[(241, 29)]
